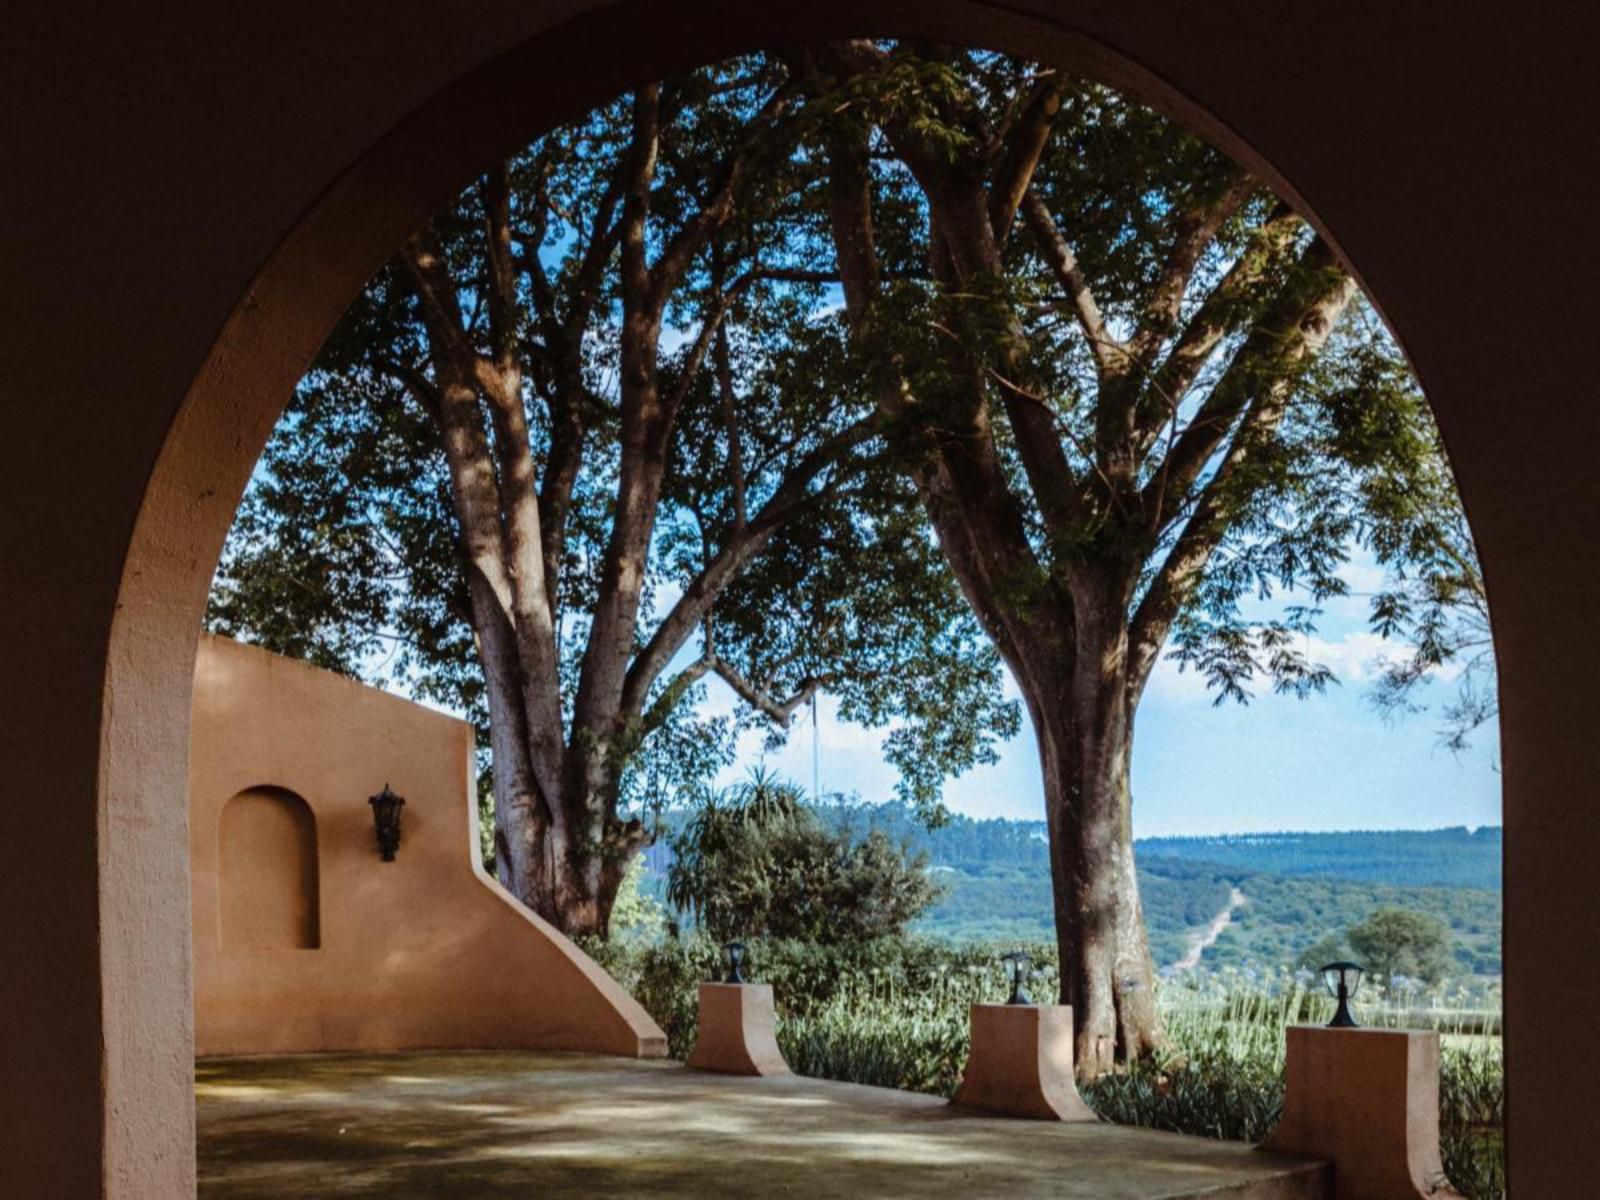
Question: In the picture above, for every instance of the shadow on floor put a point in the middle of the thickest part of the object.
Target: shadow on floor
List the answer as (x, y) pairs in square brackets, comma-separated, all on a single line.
[(527, 1124)]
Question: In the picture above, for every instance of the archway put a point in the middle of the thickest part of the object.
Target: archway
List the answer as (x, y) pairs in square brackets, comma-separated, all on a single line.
[(310, 278)]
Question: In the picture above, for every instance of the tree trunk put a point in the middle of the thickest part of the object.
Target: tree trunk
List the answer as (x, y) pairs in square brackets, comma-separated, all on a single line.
[(1083, 721), (1107, 975), (1106, 971), (594, 856), (563, 857)]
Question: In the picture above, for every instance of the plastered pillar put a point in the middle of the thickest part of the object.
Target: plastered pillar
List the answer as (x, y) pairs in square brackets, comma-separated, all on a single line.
[(1021, 1063), (737, 1031), (1367, 1100)]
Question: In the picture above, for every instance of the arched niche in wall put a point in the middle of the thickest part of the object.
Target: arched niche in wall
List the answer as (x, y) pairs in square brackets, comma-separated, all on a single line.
[(267, 872)]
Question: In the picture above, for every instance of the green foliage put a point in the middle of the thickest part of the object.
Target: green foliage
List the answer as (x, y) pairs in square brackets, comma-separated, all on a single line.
[(819, 983), (1284, 916), (757, 861), (1210, 1093), (1396, 941), (1329, 948), (635, 914), (1304, 458), (347, 550)]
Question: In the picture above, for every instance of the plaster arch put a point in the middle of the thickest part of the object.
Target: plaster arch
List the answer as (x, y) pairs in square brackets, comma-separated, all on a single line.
[(355, 220)]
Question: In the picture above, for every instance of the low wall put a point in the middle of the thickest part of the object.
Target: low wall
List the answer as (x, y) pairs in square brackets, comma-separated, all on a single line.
[(305, 940)]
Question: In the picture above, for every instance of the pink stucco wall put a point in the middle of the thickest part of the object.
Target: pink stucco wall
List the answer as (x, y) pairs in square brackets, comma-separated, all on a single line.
[(305, 940)]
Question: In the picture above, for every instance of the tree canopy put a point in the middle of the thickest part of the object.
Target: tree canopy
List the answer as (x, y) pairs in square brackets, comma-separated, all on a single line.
[(581, 447), (866, 366), (1397, 941)]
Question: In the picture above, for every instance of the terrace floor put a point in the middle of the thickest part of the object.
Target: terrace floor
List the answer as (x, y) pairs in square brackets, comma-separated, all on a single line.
[(527, 1124)]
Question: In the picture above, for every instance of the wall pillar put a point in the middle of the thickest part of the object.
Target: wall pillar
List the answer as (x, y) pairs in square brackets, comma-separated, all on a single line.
[(738, 1031), (1367, 1100), (1021, 1065)]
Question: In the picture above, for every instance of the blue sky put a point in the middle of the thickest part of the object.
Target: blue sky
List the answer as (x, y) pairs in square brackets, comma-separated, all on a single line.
[(1329, 762)]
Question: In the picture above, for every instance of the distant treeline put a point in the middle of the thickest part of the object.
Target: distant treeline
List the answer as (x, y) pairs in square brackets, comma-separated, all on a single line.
[(1456, 857), (1299, 887), (1453, 857)]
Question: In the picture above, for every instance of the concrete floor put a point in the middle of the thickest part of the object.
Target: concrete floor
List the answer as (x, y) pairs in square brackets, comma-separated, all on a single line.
[(535, 1125)]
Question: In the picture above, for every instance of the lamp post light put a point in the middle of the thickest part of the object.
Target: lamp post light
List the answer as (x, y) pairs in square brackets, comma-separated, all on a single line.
[(1342, 980), (1018, 967), (386, 808), (735, 951)]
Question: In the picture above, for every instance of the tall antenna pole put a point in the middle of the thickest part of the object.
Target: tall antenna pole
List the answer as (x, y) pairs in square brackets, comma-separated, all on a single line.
[(816, 788)]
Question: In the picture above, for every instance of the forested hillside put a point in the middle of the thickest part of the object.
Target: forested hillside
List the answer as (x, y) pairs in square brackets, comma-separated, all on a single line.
[(1301, 889), (1455, 857)]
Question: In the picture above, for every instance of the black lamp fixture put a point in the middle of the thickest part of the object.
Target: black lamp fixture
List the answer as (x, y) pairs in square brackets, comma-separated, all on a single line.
[(735, 952), (1342, 980), (386, 808), (1018, 967)]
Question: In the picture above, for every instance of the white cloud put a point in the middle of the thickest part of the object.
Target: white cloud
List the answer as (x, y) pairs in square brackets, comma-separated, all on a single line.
[(1170, 683), (1355, 659)]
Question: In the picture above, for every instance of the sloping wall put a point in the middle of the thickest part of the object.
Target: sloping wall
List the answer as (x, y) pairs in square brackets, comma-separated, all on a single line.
[(305, 940)]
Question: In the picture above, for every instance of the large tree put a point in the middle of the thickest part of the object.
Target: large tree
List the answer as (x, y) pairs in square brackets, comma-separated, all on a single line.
[(569, 455), (1134, 391), (1126, 388)]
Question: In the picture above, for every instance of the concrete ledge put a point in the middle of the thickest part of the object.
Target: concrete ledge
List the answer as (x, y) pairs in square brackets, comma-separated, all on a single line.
[(1368, 1101), (737, 1031), (1021, 1063)]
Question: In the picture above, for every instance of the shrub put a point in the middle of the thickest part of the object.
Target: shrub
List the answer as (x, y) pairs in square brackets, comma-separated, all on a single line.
[(756, 861)]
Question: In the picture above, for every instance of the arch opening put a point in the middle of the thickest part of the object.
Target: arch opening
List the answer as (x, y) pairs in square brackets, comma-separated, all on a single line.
[(1145, 985), (301, 292)]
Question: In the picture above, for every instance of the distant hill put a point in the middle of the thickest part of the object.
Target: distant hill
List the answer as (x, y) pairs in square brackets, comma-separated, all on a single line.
[(1456, 857), (1298, 887)]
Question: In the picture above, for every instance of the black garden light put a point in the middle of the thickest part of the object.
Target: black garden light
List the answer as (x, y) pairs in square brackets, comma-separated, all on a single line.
[(735, 952), (1018, 967), (386, 808), (1342, 980)]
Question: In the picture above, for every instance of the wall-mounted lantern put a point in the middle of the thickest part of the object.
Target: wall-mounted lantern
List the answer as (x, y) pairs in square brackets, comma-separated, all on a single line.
[(1018, 967), (735, 952), (1342, 980), (386, 808)]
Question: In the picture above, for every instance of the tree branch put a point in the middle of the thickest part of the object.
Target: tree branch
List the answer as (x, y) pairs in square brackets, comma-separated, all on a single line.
[(1268, 366), (709, 328), (1013, 178), (695, 604), (1196, 228), (1294, 326), (500, 264), (958, 476), (680, 249), (779, 712), (424, 261), (1218, 315), (730, 420), (499, 534), (1110, 355), (640, 166)]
